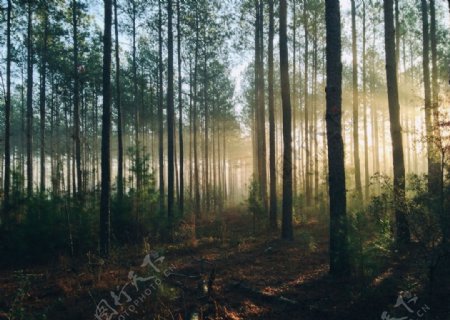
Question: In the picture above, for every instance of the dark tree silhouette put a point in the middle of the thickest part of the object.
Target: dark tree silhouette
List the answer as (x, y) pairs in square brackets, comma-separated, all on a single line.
[(272, 150), (402, 234), (7, 185), (339, 257), (170, 122), (105, 215), (120, 185), (286, 227)]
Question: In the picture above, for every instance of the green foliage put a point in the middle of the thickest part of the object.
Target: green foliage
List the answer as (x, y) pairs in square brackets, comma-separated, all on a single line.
[(40, 229), (423, 212), (371, 232), (136, 215), (254, 202)]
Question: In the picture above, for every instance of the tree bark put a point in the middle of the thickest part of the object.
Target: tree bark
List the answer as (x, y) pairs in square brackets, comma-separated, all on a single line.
[(366, 138), (170, 122), (30, 101), (358, 187), (180, 112), (106, 135), (160, 113), (339, 256), (120, 184), (307, 149), (76, 102), (42, 100), (286, 227), (7, 182), (402, 234), (272, 151)]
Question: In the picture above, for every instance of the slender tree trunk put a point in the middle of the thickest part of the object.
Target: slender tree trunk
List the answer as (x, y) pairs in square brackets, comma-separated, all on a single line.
[(306, 138), (42, 98), (138, 161), (339, 257), (170, 123), (272, 151), (294, 98), (357, 162), (180, 112), (438, 158), (76, 97), (286, 227), (435, 174), (30, 101), (314, 119), (366, 138), (120, 185), (7, 173), (206, 136), (106, 135), (433, 178), (195, 123), (160, 113), (402, 235)]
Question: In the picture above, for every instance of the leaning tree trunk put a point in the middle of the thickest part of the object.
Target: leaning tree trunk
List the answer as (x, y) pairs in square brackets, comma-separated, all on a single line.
[(402, 234), (339, 256)]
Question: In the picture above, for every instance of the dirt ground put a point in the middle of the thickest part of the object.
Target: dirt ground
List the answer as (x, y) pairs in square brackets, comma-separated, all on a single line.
[(242, 277)]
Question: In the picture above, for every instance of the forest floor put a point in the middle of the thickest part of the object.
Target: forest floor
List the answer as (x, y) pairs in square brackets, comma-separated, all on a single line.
[(243, 277)]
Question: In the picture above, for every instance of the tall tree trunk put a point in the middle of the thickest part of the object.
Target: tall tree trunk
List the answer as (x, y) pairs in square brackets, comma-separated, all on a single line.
[(30, 101), (294, 97), (435, 165), (402, 234), (272, 151), (314, 119), (180, 112), (139, 162), (7, 185), (106, 135), (160, 113), (366, 138), (306, 138), (355, 106), (437, 168), (339, 257), (433, 178), (207, 196), (260, 107), (42, 98), (170, 122), (76, 97), (195, 122), (286, 227), (120, 185)]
